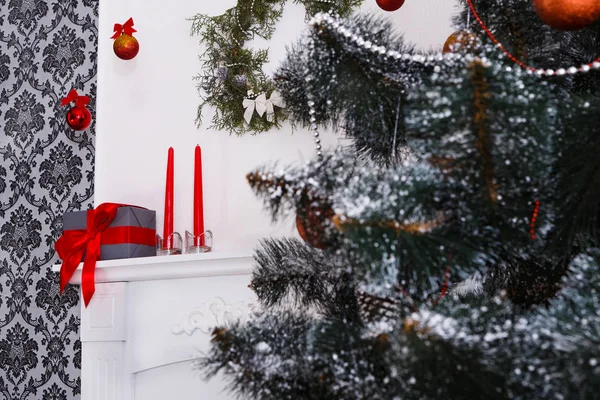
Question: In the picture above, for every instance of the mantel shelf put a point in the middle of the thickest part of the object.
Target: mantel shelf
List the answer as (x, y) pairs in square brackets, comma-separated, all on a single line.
[(168, 267)]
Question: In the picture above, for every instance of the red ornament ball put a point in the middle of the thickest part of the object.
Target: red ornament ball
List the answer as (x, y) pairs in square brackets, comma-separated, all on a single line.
[(390, 5), (79, 118), (126, 47), (568, 15)]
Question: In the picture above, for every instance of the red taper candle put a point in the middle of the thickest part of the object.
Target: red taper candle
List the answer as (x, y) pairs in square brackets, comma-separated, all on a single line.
[(169, 190), (198, 200)]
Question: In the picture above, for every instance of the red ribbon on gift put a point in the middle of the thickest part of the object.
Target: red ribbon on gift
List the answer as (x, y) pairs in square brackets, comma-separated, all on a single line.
[(80, 101), (126, 28), (73, 244)]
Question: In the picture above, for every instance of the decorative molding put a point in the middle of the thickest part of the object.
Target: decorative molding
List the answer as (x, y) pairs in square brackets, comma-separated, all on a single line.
[(104, 320), (106, 373), (214, 312)]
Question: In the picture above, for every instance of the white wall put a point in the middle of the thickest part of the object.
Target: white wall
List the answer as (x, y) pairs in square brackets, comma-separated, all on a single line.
[(149, 103)]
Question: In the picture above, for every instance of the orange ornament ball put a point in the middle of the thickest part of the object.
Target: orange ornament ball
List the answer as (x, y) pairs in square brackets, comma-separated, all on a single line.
[(126, 47), (390, 5), (568, 15), (461, 41)]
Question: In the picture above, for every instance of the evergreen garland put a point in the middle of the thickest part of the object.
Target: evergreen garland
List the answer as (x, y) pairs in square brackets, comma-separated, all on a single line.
[(232, 73)]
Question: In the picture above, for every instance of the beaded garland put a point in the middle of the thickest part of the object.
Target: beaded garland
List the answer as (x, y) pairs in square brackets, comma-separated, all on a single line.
[(334, 23), (548, 72)]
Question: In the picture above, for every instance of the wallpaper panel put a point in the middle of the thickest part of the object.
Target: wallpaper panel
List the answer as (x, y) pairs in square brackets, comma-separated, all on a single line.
[(46, 169)]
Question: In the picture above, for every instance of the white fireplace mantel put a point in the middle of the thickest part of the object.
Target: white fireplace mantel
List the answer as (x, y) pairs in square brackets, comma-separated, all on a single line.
[(172, 267), (150, 317)]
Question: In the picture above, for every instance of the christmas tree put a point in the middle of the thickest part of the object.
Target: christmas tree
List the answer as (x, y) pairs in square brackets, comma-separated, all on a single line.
[(452, 251)]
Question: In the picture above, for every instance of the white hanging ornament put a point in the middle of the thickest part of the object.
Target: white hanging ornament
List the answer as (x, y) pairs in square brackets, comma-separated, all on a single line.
[(262, 105)]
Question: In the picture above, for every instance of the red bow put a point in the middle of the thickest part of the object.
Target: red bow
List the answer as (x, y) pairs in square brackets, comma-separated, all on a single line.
[(126, 28), (73, 244), (80, 101)]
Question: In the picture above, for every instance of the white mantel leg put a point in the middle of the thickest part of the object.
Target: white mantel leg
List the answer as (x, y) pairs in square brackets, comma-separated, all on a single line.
[(106, 359)]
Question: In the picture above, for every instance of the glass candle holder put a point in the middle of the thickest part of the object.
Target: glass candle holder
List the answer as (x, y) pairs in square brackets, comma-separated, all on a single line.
[(201, 243), (170, 247)]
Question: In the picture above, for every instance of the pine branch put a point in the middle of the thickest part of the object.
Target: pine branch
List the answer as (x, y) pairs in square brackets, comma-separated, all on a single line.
[(258, 364), (288, 271), (376, 123), (578, 172), (463, 350), (292, 188)]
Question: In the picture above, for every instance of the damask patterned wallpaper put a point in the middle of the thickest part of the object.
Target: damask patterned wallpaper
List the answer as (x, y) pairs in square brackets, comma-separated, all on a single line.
[(46, 48)]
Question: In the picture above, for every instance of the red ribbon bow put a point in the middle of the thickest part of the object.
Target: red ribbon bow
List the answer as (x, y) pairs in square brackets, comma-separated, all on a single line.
[(126, 28), (80, 101), (73, 244)]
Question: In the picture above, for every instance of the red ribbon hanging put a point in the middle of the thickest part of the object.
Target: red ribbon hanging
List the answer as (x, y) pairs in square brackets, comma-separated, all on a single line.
[(73, 244), (127, 28), (80, 101)]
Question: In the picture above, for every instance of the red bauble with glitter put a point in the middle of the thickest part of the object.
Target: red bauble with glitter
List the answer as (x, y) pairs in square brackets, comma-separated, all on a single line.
[(390, 5), (568, 15), (79, 118), (125, 46)]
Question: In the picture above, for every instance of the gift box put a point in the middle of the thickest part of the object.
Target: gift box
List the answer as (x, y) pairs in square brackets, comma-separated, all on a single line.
[(132, 233)]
